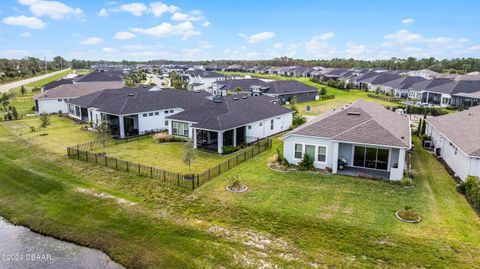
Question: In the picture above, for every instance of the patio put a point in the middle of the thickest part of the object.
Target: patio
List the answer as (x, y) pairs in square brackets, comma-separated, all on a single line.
[(365, 173)]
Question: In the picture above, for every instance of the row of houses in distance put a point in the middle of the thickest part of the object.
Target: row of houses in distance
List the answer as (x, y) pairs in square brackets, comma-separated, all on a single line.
[(420, 87)]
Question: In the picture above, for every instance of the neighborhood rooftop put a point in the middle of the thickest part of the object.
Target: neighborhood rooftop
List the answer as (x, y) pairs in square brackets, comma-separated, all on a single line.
[(462, 128), (360, 122), (76, 90)]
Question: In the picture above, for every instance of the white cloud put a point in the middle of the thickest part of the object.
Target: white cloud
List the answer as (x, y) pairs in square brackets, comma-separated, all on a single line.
[(206, 24), (53, 9), (408, 21), (403, 36), (26, 34), (159, 8), (124, 35), (184, 29), (277, 45), (194, 15), (103, 13), (31, 22), (137, 9), (358, 51), (263, 36), (319, 47), (109, 50), (91, 41)]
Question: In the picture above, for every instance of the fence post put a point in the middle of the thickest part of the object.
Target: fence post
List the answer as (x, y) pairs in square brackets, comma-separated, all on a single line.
[(193, 184), (96, 159), (68, 152), (116, 163), (127, 167), (106, 161), (209, 176), (245, 158), (91, 145), (78, 152), (178, 179), (86, 156), (151, 172), (138, 165), (219, 169)]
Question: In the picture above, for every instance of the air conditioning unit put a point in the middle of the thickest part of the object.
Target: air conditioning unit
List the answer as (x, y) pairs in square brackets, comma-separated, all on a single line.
[(438, 152)]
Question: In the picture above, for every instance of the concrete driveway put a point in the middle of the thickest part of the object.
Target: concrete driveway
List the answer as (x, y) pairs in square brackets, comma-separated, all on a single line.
[(7, 87)]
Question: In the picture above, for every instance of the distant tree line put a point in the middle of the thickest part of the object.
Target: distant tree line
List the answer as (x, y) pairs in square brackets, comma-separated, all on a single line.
[(13, 69)]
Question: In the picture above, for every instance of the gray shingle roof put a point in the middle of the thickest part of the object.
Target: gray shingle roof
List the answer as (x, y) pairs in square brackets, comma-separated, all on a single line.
[(403, 83), (278, 87), (57, 83), (231, 112), (462, 128), (452, 87), (426, 84), (77, 90), (136, 100), (101, 77), (362, 122)]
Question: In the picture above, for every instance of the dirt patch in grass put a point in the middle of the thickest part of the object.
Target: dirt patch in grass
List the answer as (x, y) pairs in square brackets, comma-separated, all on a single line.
[(103, 195)]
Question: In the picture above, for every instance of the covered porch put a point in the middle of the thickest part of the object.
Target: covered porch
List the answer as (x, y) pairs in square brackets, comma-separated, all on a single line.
[(369, 161), (214, 141), (122, 126)]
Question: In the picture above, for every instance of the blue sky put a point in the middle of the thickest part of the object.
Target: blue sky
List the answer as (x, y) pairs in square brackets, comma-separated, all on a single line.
[(201, 30)]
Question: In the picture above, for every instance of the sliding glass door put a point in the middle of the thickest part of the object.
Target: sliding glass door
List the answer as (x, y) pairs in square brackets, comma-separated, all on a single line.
[(368, 157)]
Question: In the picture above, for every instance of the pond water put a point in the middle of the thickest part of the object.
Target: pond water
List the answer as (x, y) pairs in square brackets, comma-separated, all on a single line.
[(20, 248)]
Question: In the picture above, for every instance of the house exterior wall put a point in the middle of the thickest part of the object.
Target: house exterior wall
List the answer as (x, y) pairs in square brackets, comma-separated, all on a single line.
[(301, 97), (457, 160), (289, 149), (336, 150), (262, 129), (52, 106), (155, 120)]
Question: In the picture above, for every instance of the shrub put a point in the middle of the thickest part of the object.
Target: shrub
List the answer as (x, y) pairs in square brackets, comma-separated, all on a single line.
[(409, 214), (230, 149), (406, 182), (472, 191), (306, 163), (323, 91), (164, 137)]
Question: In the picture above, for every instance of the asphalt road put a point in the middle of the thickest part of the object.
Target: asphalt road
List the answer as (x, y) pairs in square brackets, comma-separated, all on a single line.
[(6, 87)]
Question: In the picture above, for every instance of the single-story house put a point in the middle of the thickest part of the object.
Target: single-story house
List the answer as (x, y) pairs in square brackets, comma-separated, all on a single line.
[(400, 87), (282, 90), (447, 92), (365, 138), (212, 122), (456, 139), (55, 100), (202, 80)]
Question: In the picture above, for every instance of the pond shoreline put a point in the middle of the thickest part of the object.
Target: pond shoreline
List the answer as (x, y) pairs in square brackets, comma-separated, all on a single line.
[(55, 241)]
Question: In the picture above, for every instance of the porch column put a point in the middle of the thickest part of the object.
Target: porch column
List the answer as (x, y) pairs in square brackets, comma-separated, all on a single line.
[(194, 137), (220, 142), (121, 125), (235, 137), (335, 157)]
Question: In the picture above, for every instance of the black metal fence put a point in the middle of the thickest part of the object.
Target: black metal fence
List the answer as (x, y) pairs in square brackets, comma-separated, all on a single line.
[(386, 98), (84, 152)]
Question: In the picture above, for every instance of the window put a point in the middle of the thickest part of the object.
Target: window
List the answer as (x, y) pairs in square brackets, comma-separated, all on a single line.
[(77, 111), (156, 113), (150, 114), (374, 158), (260, 124), (249, 127), (166, 123), (71, 109), (322, 154), (59, 100), (180, 128), (171, 111), (271, 125), (145, 115), (298, 151), (166, 111), (310, 150)]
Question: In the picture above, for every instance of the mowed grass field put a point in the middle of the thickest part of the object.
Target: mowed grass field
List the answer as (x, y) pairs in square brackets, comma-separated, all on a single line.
[(167, 156), (342, 97), (24, 104), (284, 220)]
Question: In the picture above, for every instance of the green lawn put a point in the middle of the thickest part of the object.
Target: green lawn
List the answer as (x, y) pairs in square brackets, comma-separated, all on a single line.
[(317, 107), (167, 156), (62, 132), (294, 220), (24, 104)]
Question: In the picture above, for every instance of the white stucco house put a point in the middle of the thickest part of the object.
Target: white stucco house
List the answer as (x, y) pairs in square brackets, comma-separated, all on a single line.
[(456, 139), (212, 123), (200, 80), (55, 100), (367, 139)]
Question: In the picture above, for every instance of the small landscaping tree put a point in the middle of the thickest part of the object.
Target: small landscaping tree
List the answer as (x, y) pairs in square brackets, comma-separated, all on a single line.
[(306, 163), (23, 91), (331, 83), (323, 91), (424, 125), (5, 100), (238, 90), (419, 127), (188, 154), (14, 113), (298, 119), (103, 130), (340, 84), (44, 122)]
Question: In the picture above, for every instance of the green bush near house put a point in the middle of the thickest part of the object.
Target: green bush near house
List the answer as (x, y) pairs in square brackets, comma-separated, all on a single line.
[(471, 189)]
